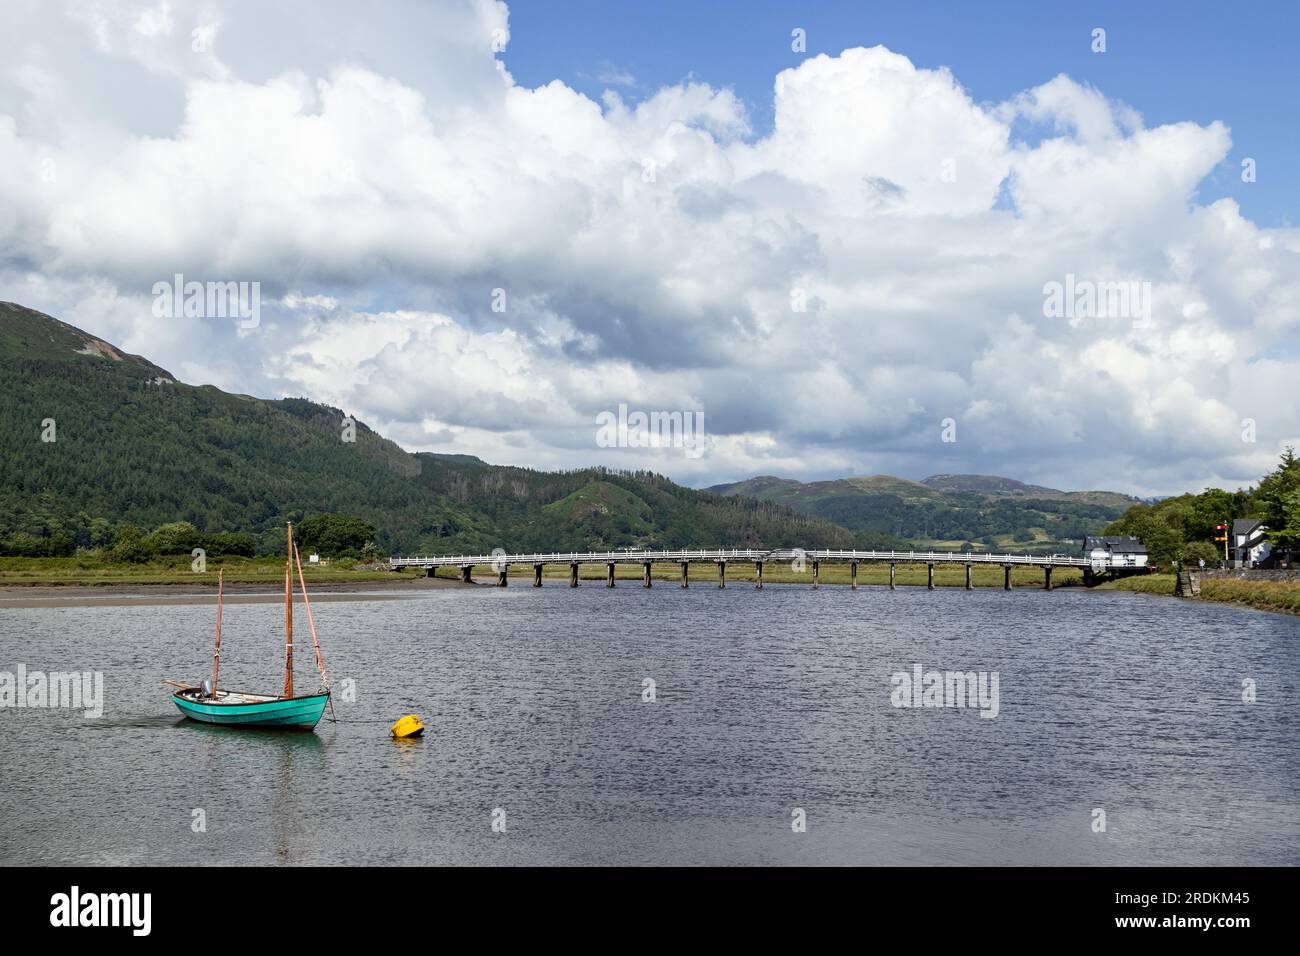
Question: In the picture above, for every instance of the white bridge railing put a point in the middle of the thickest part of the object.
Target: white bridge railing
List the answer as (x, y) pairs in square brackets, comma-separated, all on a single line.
[(500, 559)]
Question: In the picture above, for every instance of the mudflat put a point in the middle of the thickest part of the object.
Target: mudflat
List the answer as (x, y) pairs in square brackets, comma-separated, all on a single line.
[(119, 593)]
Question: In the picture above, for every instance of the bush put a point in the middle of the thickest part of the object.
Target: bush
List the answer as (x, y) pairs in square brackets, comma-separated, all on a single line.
[(229, 544), (179, 537), (22, 544), (130, 545)]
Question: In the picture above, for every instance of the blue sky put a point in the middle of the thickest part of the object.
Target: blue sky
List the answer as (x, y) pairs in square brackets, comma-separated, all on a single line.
[(1171, 61)]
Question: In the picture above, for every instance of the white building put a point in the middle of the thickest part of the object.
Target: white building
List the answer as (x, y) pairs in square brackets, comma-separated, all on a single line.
[(1249, 543), (1114, 551)]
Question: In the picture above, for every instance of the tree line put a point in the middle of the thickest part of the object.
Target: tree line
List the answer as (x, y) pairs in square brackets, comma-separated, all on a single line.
[(1182, 528)]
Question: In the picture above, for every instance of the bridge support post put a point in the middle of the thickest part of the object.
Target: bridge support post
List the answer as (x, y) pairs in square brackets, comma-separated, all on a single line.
[(1006, 577), (853, 575), (573, 574), (968, 584), (646, 583), (537, 575), (817, 565), (893, 574), (501, 578), (686, 574), (929, 575), (1047, 578), (430, 572), (467, 574), (722, 574), (609, 575), (758, 575)]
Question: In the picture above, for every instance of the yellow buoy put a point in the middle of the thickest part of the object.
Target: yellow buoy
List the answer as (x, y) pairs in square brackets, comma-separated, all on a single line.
[(408, 726)]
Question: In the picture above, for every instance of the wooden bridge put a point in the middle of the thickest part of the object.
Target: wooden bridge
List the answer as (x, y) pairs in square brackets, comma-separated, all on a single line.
[(500, 562)]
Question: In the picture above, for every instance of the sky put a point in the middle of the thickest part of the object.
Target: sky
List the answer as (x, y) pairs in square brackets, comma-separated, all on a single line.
[(1046, 241)]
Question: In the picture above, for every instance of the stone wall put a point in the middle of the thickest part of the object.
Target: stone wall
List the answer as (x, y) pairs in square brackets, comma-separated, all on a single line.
[(1252, 574)]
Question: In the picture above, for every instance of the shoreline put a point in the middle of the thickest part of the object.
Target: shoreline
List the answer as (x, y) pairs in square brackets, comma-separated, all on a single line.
[(1273, 597), (125, 593)]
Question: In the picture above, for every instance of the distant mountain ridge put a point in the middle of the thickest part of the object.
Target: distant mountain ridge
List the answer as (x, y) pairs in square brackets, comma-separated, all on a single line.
[(944, 510), (994, 485)]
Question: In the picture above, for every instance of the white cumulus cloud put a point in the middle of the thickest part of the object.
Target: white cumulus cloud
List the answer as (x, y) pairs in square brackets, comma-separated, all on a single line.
[(477, 266)]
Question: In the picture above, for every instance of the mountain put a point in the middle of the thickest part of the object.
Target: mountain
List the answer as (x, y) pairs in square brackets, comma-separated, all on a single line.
[(130, 443), (944, 510), (993, 485)]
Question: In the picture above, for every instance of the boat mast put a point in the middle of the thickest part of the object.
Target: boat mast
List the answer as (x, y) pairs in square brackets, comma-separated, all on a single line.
[(216, 652), (311, 622), (288, 617)]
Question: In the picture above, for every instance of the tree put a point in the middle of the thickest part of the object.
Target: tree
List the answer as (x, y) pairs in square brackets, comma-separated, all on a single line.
[(230, 543), (1163, 541), (1279, 498), (335, 534), (1210, 508), (1196, 551), (178, 537), (100, 532), (130, 545), (24, 544)]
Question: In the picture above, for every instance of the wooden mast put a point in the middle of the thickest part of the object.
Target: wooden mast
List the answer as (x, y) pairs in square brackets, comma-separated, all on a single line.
[(311, 622), (288, 616), (216, 652)]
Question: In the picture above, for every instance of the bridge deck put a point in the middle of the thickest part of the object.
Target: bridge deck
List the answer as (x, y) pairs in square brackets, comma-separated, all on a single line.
[(500, 559)]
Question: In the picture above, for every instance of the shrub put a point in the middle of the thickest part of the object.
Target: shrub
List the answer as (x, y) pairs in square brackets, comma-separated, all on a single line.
[(23, 544), (229, 544), (179, 537), (130, 545)]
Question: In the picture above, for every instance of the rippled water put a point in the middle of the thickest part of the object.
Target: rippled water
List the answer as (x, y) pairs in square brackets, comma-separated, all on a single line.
[(766, 701)]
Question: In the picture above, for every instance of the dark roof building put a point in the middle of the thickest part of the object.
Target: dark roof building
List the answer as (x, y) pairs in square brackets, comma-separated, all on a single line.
[(1250, 544), (1245, 526), (1115, 544)]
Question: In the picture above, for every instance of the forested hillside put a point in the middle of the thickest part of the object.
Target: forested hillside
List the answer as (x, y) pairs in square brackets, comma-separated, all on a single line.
[(946, 510), (93, 439)]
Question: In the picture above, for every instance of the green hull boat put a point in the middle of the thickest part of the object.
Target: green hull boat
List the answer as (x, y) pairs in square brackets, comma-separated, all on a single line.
[(286, 711), (252, 710)]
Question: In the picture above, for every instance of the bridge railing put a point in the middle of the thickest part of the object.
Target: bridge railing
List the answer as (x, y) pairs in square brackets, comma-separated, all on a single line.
[(738, 554)]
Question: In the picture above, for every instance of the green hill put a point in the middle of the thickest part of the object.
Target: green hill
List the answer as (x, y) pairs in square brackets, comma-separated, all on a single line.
[(945, 510), (132, 444)]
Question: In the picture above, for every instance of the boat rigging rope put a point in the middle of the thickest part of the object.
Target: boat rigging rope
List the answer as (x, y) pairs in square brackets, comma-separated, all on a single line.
[(311, 623)]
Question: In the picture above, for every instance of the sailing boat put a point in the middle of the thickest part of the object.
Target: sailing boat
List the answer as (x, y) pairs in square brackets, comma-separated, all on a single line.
[(287, 711)]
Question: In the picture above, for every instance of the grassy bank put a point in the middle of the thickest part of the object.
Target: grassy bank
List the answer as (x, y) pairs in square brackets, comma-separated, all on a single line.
[(1144, 584), (706, 573), (1264, 595), (91, 570)]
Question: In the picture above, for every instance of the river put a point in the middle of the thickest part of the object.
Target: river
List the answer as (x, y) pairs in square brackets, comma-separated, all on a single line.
[(770, 734)]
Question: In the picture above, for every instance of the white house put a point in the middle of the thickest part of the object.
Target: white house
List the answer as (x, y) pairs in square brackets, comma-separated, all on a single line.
[(1249, 545), (1114, 551)]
